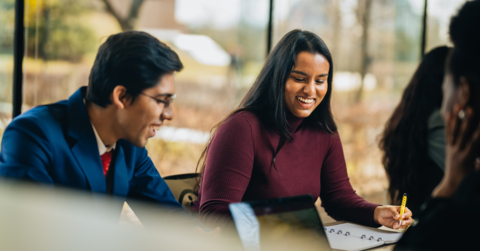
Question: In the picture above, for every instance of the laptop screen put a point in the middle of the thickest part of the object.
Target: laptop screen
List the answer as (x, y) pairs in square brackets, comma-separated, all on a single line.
[(290, 223)]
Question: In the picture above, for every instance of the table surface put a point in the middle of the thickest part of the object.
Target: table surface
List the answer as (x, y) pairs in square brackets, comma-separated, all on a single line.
[(382, 248)]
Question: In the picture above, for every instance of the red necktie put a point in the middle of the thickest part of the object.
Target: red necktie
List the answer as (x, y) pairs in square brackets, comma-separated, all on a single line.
[(106, 159)]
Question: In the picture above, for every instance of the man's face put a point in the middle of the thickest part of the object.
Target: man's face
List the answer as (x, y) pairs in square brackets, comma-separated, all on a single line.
[(140, 120)]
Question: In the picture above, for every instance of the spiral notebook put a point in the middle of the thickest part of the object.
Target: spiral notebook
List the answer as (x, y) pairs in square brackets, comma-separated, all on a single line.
[(257, 222), (349, 236)]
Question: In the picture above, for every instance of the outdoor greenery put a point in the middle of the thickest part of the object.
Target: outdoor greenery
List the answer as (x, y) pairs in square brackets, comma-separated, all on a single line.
[(62, 34), (7, 14)]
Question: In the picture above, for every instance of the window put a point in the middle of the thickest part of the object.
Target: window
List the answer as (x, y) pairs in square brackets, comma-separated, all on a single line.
[(375, 46), (7, 19), (439, 15)]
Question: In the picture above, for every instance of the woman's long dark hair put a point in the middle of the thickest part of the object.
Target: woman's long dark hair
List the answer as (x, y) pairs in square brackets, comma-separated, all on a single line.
[(266, 98), (404, 141)]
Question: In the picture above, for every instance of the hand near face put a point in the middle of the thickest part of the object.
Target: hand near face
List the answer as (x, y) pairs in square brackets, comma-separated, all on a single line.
[(389, 216), (463, 140)]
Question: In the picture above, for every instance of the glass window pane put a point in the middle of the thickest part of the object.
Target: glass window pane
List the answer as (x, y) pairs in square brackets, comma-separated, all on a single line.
[(375, 46), (222, 44), (61, 41), (439, 14), (408, 32), (7, 19)]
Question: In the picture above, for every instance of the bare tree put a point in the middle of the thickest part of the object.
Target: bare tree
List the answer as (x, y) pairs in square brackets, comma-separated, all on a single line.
[(363, 15), (336, 17), (128, 22)]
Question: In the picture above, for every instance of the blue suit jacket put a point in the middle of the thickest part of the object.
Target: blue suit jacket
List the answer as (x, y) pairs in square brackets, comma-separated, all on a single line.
[(56, 144)]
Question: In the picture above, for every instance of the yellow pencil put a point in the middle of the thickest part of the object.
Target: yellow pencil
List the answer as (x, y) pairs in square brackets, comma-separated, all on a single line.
[(402, 209)]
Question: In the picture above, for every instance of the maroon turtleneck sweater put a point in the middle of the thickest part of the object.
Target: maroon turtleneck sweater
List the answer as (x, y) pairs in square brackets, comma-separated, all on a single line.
[(238, 168)]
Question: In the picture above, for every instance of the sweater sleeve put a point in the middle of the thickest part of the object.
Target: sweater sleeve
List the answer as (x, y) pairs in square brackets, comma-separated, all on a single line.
[(338, 197), (228, 170)]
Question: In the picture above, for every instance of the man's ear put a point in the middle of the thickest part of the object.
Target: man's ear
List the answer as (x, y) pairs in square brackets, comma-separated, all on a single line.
[(119, 96)]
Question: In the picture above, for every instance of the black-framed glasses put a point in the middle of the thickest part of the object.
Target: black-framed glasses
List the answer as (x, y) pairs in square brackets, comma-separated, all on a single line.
[(166, 102)]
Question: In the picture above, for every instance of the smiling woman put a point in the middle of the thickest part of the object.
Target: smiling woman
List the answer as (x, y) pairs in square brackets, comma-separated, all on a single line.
[(306, 85), (282, 141)]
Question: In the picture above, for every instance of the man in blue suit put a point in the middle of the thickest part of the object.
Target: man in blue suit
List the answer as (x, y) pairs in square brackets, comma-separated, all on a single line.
[(95, 140)]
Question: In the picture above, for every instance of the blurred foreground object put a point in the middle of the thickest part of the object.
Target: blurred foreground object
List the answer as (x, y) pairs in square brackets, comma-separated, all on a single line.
[(38, 217), (35, 217)]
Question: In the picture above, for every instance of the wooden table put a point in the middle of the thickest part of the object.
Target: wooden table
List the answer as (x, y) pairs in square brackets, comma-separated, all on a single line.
[(382, 248)]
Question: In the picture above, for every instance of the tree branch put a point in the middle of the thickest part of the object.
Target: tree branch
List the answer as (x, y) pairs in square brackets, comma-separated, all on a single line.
[(127, 23), (135, 8), (112, 11), (133, 15)]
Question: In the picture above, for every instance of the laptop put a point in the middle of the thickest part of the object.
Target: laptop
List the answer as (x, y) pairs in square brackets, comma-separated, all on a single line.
[(290, 223)]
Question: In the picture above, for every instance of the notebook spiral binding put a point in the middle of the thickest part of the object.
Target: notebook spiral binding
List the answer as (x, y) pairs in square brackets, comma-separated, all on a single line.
[(348, 233)]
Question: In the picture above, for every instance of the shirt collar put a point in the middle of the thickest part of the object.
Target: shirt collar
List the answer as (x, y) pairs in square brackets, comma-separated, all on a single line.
[(101, 146)]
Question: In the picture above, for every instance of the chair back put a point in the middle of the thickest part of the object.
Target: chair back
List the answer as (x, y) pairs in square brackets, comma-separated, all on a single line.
[(182, 186)]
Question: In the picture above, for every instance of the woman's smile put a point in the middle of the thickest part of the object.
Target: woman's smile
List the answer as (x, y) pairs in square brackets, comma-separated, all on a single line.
[(305, 102)]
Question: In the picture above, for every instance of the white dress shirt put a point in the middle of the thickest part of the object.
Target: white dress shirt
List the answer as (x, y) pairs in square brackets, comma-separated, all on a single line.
[(102, 148)]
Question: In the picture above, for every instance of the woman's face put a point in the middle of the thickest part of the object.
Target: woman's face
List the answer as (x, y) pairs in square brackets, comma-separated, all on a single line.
[(307, 84), (457, 94)]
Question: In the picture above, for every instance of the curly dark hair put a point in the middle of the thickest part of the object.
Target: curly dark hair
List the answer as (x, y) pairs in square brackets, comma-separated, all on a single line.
[(464, 33), (404, 141)]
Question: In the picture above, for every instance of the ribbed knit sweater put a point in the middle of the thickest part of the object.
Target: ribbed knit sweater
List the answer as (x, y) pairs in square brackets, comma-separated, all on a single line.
[(238, 168)]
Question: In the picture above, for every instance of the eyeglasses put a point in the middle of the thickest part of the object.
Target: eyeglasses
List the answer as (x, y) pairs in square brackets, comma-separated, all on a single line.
[(167, 102)]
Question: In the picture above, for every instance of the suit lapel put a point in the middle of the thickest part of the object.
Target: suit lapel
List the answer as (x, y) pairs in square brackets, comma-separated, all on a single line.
[(85, 149), (86, 154), (120, 178)]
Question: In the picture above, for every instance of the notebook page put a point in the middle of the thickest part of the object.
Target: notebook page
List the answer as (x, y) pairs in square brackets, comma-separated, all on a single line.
[(347, 243), (357, 231)]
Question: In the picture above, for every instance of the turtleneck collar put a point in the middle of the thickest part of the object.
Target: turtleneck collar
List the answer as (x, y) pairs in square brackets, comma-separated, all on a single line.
[(293, 121)]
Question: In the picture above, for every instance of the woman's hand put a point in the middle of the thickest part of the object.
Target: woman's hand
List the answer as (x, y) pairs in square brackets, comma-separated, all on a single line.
[(463, 140), (389, 216)]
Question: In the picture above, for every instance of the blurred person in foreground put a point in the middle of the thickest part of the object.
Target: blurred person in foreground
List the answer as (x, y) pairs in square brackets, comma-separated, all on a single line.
[(449, 220), (413, 142), (95, 140), (282, 141)]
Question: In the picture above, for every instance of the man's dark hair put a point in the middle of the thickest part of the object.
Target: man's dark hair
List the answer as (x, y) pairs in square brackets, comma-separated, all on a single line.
[(133, 59), (465, 35)]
